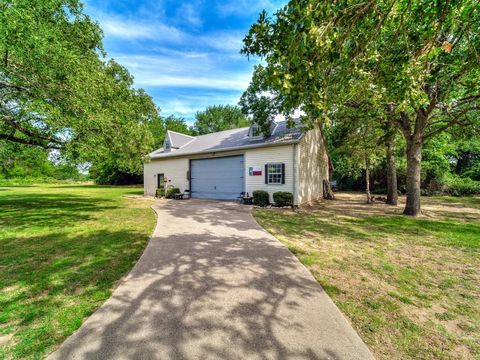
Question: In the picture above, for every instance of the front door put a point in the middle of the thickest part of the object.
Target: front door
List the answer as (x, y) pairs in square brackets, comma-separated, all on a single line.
[(160, 181)]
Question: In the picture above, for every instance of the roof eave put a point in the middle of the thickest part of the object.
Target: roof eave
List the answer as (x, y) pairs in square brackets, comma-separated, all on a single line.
[(234, 148)]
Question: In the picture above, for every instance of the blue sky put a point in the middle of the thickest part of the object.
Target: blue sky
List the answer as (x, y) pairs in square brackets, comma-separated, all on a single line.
[(184, 53)]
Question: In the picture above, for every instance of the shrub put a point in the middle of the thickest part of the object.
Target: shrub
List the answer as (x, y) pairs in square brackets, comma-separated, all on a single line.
[(458, 186), (283, 198), (170, 192), (260, 198), (160, 192)]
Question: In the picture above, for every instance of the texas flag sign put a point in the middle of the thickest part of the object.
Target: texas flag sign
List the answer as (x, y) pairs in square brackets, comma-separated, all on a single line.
[(255, 171)]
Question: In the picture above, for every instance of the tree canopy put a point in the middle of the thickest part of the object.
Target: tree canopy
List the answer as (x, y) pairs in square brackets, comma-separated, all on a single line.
[(58, 90), (418, 57), (219, 117)]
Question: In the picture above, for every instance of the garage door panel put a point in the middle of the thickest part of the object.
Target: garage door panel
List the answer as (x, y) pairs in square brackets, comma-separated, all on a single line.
[(218, 178)]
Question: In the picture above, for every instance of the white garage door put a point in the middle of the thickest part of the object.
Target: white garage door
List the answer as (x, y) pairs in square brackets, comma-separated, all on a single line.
[(218, 178)]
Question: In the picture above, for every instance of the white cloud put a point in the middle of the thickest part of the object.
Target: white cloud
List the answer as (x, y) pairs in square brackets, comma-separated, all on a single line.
[(225, 41), (185, 70), (131, 29), (238, 82), (188, 12)]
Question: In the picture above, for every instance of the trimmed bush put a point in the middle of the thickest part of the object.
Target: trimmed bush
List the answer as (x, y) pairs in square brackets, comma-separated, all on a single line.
[(283, 198), (260, 198), (170, 192)]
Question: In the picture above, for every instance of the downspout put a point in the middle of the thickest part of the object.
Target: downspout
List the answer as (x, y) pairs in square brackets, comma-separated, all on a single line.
[(295, 174)]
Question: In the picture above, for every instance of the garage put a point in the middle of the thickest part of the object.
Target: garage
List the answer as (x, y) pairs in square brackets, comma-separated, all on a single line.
[(217, 178)]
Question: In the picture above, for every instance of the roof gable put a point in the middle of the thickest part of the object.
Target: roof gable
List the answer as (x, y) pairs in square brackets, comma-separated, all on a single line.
[(177, 140)]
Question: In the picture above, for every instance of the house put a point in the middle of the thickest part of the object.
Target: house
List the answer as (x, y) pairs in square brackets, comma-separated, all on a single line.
[(221, 165)]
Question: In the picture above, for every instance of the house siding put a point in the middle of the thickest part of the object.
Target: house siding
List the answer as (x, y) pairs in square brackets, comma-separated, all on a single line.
[(312, 166), (175, 170), (261, 156)]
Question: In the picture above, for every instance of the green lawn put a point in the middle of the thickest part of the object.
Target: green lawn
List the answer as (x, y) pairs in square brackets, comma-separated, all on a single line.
[(410, 287), (62, 250)]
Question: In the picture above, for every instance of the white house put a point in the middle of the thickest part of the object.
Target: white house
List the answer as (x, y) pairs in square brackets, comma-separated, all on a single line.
[(224, 164)]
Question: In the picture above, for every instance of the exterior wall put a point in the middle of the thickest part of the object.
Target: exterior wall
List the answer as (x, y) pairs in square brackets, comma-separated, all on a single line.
[(260, 157), (175, 170), (312, 166)]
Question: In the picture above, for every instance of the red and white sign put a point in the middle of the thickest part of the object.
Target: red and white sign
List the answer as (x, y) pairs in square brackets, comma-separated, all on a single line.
[(255, 171)]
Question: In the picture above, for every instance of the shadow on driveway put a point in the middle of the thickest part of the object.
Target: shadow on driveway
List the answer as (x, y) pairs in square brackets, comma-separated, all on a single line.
[(212, 284)]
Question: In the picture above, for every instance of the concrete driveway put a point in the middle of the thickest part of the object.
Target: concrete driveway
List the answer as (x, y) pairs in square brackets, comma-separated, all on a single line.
[(212, 284)]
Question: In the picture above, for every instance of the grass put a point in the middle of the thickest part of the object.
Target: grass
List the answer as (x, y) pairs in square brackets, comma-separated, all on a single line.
[(410, 287), (63, 249)]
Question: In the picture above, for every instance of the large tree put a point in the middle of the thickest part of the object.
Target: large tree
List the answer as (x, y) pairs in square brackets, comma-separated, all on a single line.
[(418, 57), (58, 91), (219, 117)]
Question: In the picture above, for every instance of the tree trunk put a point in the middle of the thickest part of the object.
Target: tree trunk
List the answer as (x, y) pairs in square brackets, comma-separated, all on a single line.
[(367, 180), (392, 191), (414, 158), (327, 191)]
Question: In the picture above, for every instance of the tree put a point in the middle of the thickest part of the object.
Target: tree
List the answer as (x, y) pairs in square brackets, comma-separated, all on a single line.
[(219, 117), (260, 101), (109, 169), (159, 126), (57, 90), (358, 135), (26, 163), (418, 56)]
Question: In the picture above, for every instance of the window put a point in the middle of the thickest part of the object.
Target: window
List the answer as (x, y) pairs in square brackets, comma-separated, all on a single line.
[(167, 145), (256, 131), (275, 173)]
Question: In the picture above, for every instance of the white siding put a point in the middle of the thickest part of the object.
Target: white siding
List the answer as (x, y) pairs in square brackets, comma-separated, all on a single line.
[(312, 160), (175, 170), (262, 156)]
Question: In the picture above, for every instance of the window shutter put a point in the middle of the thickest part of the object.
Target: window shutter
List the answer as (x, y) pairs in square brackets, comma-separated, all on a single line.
[(266, 173), (283, 173)]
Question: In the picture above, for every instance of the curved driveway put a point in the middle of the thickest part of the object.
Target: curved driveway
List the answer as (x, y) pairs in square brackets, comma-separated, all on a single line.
[(212, 284)]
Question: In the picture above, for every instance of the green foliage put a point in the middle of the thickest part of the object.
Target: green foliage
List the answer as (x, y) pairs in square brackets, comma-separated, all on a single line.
[(27, 164), (218, 118), (467, 159), (160, 192), (58, 91), (417, 60), (159, 125), (108, 173), (283, 198), (260, 101), (261, 198), (458, 186), (170, 192)]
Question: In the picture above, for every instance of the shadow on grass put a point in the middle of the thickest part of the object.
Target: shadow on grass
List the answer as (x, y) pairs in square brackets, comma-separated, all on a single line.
[(446, 232), (301, 224), (56, 280), (47, 210)]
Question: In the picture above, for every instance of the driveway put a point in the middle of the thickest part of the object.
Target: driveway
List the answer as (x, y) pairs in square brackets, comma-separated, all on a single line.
[(212, 284)]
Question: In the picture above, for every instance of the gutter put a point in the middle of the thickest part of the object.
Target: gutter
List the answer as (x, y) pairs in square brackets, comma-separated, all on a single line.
[(209, 151)]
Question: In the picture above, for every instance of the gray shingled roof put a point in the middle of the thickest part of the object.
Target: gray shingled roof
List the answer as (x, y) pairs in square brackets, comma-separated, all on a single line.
[(232, 140)]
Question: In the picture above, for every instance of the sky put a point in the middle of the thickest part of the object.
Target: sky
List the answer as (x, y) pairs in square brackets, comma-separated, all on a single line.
[(185, 54)]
